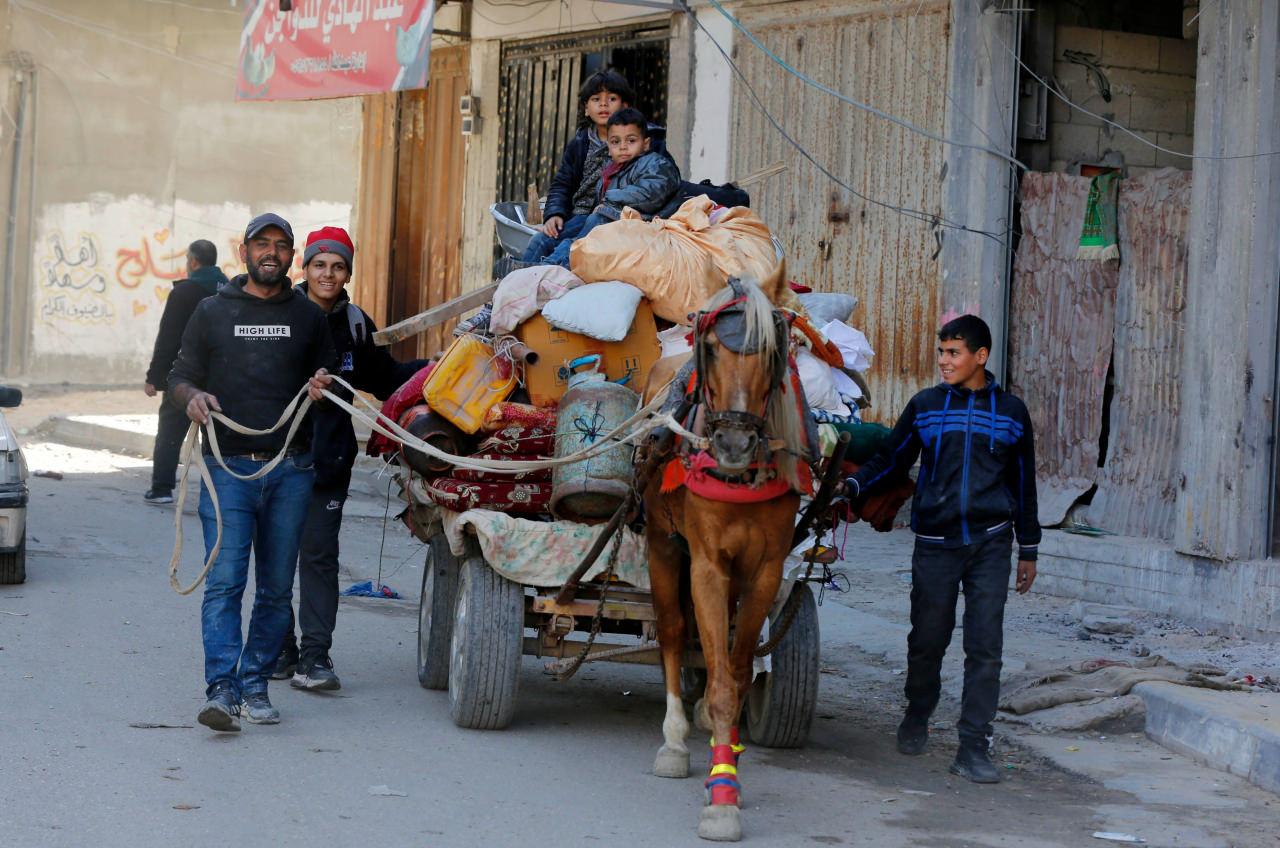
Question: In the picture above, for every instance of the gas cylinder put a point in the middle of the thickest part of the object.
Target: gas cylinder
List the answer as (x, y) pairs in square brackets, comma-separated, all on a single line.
[(591, 490)]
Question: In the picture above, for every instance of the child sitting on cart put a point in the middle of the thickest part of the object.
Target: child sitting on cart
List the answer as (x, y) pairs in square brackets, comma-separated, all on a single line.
[(636, 176), (576, 185)]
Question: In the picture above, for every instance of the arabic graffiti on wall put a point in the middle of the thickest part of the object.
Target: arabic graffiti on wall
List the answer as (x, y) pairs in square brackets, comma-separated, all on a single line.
[(103, 271), (333, 48)]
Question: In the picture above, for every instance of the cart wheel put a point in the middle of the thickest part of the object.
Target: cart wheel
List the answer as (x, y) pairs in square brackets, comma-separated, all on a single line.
[(485, 648), (435, 613), (781, 703), (13, 567)]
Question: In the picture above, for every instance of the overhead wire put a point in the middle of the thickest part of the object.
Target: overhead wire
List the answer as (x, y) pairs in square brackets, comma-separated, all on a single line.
[(72, 20), (1057, 92), (879, 113), (933, 219), (893, 22)]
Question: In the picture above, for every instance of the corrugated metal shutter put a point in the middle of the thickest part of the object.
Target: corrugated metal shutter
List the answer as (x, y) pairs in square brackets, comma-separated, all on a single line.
[(539, 101), (892, 56)]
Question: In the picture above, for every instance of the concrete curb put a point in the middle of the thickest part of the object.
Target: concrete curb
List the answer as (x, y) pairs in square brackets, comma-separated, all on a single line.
[(1235, 732), (80, 431)]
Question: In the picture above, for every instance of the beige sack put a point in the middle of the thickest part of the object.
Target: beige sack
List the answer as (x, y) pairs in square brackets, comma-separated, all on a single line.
[(679, 262)]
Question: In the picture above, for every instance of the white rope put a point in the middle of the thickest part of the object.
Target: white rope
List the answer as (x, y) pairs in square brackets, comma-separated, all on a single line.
[(639, 425)]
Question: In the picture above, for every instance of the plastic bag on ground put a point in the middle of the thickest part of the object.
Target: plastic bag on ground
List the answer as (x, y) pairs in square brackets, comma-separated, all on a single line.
[(524, 292), (679, 262)]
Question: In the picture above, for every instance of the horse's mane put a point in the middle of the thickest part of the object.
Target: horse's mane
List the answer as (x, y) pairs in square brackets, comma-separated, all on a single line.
[(782, 416)]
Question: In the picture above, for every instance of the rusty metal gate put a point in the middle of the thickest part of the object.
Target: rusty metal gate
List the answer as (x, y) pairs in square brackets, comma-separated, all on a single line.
[(539, 95), (891, 54)]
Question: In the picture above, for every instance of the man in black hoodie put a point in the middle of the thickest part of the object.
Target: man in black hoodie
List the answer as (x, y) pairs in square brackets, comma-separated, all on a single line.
[(204, 278), (246, 352), (975, 492), (326, 262)]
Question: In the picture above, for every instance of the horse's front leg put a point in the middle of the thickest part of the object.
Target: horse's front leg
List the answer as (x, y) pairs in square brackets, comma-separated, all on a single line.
[(709, 579)]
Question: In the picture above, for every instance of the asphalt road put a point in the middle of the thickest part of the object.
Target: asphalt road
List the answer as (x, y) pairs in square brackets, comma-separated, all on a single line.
[(96, 642)]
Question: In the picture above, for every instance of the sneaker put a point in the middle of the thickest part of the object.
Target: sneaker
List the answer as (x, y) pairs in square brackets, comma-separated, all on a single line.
[(318, 677), (222, 711), (286, 663), (158, 496), (913, 735), (973, 763), (258, 709)]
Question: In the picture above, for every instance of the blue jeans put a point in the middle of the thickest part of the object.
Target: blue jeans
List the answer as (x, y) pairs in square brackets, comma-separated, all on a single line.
[(560, 256), (542, 244), (265, 515)]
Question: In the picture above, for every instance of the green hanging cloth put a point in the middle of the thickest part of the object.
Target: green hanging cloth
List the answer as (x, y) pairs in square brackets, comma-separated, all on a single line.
[(1098, 237)]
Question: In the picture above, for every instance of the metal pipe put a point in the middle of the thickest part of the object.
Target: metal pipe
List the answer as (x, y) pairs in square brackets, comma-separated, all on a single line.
[(11, 225)]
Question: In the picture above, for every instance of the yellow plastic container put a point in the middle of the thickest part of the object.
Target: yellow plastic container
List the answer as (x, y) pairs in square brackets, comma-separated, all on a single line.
[(466, 383)]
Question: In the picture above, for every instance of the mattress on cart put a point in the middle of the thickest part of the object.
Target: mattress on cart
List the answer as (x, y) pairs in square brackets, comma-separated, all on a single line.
[(543, 553)]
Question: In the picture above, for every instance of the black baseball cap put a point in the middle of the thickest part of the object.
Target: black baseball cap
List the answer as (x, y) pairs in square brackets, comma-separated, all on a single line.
[(267, 219)]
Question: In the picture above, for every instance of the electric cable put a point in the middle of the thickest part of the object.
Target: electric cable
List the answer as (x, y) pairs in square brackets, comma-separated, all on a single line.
[(879, 113), (71, 20), (933, 219), (1056, 92)]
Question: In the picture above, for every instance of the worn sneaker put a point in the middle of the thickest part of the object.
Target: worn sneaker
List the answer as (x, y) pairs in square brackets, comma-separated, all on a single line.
[(973, 763), (222, 711), (158, 496), (318, 677), (913, 735), (258, 709), (286, 663)]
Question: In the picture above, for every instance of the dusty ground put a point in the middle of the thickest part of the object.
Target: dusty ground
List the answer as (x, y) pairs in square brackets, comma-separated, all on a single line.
[(96, 641)]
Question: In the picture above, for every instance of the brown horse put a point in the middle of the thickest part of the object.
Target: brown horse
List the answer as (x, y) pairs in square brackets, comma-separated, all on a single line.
[(735, 549)]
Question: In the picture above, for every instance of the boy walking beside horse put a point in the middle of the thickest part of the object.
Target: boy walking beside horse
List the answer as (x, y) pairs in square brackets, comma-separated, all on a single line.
[(975, 493)]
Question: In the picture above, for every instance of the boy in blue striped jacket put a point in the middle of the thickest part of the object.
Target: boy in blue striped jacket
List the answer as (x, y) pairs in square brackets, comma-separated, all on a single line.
[(975, 492)]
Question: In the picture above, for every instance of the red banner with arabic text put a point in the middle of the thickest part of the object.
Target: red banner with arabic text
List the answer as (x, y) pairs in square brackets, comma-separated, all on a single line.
[(333, 48)]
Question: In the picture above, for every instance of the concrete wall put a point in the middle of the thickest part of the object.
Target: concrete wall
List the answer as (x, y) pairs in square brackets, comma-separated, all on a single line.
[(141, 149), (1153, 84)]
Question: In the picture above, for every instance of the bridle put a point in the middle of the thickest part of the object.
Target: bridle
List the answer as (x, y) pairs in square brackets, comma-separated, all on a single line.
[(729, 323)]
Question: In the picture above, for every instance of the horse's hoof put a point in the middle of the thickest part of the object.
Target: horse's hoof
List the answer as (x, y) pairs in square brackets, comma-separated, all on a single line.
[(720, 823), (671, 763), (701, 717)]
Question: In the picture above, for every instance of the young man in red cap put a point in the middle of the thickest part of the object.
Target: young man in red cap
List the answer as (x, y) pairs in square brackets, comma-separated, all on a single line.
[(326, 263)]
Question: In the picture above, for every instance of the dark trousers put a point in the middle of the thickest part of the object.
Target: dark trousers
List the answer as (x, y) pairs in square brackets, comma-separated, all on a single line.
[(318, 575), (937, 576), (171, 429)]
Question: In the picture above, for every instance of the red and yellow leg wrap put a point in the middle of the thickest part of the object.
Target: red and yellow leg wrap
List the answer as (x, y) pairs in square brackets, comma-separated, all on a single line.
[(722, 784), (737, 746)]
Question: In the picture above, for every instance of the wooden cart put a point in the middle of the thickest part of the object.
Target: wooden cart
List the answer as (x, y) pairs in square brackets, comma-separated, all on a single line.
[(474, 625)]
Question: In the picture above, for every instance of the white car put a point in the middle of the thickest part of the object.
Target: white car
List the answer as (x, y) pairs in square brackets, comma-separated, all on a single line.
[(13, 497)]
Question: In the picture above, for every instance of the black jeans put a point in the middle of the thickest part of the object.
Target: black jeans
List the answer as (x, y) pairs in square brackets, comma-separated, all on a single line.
[(937, 575), (171, 429), (318, 575)]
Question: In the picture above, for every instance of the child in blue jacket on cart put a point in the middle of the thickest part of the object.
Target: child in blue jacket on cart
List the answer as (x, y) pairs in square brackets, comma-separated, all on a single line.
[(576, 185)]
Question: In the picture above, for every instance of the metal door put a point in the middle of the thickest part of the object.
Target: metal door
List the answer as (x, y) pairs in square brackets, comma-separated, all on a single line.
[(539, 95)]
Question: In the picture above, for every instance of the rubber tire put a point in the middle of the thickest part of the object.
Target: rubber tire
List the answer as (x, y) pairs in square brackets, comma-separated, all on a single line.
[(782, 702), (485, 648), (13, 567), (435, 613)]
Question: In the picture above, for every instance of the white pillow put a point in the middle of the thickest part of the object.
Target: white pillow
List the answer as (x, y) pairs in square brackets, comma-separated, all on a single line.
[(603, 311)]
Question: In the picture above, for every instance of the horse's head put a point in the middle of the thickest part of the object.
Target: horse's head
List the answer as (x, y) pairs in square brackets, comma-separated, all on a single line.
[(740, 348)]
